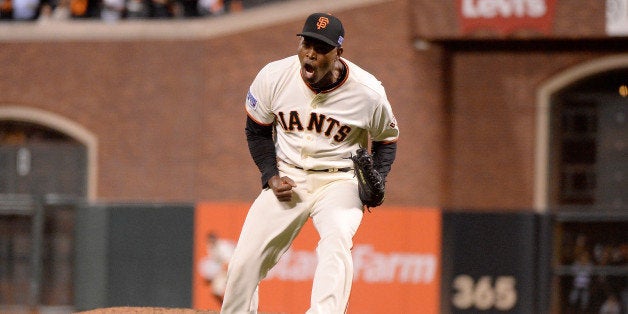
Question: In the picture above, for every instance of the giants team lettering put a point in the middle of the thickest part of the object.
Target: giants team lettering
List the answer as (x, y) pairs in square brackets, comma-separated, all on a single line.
[(317, 122)]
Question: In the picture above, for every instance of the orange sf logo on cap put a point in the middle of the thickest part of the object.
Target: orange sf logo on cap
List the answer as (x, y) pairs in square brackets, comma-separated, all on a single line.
[(322, 22)]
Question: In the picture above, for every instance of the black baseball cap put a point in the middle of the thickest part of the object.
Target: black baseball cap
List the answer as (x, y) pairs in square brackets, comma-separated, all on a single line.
[(325, 27)]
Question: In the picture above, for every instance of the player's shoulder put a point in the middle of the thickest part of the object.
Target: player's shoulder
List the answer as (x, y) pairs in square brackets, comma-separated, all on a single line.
[(363, 77), (281, 65), (277, 72)]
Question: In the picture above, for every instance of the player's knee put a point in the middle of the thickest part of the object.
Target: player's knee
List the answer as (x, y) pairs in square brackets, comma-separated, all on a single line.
[(339, 241)]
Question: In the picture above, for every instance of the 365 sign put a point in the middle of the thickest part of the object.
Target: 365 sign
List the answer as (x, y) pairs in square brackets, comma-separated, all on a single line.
[(490, 263), (484, 293), (506, 16)]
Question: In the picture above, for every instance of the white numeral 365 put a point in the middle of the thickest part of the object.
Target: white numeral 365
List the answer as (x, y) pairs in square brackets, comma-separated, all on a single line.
[(482, 294)]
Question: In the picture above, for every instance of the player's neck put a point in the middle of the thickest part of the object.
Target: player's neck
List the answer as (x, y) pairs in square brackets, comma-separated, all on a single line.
[(338, 75)]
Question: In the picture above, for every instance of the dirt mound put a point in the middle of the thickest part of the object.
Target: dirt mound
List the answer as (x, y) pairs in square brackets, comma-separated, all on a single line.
[(146, 310)]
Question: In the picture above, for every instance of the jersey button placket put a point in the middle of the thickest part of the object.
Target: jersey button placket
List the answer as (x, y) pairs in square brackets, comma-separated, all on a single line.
[(309, 138)]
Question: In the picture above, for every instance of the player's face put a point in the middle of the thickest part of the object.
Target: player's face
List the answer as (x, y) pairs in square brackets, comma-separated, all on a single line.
[(317, 61)]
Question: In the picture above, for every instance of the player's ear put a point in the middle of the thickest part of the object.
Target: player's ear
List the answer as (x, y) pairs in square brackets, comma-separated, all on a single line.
[(339, 51)]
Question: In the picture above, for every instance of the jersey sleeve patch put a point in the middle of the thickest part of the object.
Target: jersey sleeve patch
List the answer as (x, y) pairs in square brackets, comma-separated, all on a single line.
[(251, 101)]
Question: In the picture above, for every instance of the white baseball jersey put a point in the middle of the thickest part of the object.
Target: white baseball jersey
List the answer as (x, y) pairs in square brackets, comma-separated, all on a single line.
[(318, 131)]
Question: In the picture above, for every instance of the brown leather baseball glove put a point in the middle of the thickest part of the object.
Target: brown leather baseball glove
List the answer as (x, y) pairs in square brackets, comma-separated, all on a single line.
[(371, 185)]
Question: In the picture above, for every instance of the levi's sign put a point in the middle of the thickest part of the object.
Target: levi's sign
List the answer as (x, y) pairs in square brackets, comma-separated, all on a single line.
[(506, 16)]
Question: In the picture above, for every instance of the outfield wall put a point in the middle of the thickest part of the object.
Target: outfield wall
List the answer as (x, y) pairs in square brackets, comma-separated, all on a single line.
[(407, 260)]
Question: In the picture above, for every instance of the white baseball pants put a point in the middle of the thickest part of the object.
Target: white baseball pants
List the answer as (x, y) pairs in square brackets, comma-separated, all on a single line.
[(332, 201)]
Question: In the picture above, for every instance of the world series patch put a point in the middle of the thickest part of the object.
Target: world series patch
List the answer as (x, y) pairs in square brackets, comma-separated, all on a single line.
[(251, 101)]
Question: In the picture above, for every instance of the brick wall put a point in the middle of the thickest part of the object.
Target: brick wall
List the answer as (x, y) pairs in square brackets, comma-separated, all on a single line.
[(169, 118)]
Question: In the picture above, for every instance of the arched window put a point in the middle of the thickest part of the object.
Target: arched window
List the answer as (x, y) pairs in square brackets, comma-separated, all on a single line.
[(582, 158), (40, 161), (45, 154), (590, 142)]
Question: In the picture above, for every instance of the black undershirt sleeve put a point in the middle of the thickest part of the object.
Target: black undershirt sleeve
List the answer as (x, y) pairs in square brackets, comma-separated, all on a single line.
[(262, 148), (383, 156)]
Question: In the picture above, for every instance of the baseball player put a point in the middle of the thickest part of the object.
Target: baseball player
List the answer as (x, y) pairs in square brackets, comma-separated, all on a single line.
[(306, 115)]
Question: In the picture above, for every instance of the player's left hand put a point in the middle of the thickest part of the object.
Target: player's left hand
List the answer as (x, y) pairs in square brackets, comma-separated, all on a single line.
[(282, 187)]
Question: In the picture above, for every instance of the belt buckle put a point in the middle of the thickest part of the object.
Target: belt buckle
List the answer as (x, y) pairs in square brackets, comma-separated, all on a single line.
[(332, 170)]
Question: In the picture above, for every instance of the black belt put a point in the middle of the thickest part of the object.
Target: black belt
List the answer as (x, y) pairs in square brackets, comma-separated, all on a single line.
[(345, 169)]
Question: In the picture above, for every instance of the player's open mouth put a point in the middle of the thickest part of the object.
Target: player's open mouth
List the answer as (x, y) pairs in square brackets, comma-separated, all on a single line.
[(308, 71)]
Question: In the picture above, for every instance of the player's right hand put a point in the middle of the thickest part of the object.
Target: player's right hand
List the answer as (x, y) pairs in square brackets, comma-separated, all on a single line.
[(282, 187)]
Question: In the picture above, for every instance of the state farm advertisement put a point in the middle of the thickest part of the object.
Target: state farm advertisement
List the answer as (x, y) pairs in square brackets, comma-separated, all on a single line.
[(506, 16), (396, 257)]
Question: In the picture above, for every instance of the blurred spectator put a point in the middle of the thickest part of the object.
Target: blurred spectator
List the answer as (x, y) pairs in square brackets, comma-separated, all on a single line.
[(80, 8), (160, 9), (25, 9), (188, 8), (210, 7), (580, 291), (619, 255), (234, 5), (218, 7), (6, 10), (112, 10), (176, 9), (611, 305), (137, 9), (60, 12)]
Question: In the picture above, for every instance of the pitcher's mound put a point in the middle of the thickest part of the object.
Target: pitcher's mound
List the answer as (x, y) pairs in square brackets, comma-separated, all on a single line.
[(146, 310)]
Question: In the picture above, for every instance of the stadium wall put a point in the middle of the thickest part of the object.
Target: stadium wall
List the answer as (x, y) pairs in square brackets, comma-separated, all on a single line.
[(165, 106), (168, 113), (162, 102)]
